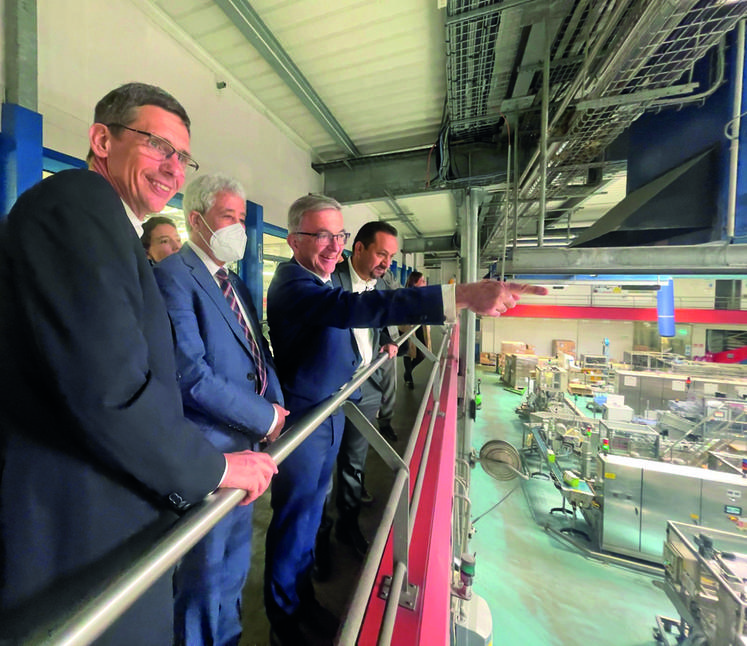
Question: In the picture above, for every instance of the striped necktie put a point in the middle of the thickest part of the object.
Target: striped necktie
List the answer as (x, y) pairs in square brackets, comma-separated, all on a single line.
[(230, 294)]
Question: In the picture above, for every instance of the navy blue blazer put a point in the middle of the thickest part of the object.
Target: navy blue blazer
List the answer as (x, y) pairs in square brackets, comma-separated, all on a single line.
[(95, 447), (310, 329), (217, 374)]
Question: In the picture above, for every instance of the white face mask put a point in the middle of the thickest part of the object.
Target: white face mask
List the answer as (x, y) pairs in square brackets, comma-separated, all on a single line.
[(229, 243)]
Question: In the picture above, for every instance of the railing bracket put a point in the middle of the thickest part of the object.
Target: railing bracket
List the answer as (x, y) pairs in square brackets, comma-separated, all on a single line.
[(407, 599)]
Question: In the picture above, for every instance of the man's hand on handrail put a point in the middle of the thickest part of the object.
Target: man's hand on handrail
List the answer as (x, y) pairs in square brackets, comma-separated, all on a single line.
[(492, 297), (250, 471), (390, 348)]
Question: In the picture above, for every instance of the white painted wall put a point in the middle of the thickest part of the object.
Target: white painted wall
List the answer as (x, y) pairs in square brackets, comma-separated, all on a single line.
[(88, 47), (587, 334)]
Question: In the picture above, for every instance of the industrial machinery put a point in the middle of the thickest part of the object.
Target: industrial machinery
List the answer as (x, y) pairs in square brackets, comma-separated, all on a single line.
[(640, 496), (705, 574)]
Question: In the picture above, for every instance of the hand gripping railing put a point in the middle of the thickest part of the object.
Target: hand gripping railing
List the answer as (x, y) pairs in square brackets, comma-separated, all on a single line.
[(89, 618)]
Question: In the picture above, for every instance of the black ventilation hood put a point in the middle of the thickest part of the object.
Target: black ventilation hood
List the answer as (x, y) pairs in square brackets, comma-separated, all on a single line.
[(677, 207)]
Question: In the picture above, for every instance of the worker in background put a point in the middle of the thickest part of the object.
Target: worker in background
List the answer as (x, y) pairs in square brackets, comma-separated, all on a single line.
[(230, 391), (311, 319), (97, 455), (160, 238)]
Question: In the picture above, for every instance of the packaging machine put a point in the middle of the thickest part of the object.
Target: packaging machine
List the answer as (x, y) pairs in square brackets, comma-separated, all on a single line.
[(705, 575)]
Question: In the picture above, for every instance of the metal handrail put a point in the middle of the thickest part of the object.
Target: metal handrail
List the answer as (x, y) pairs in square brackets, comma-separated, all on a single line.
[(89, 618), (396, 508)]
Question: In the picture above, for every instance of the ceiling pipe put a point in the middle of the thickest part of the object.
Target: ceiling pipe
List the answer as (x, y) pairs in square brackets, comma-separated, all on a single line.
[(711, 258), (736, 122)]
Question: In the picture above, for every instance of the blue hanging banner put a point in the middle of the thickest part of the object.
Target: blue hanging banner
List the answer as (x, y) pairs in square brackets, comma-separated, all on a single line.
[(665, 308)]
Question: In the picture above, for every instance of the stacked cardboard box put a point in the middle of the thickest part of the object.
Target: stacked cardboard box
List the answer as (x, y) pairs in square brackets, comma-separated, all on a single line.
[(518, 369), (487, 358), (516, 347), (564, 346)]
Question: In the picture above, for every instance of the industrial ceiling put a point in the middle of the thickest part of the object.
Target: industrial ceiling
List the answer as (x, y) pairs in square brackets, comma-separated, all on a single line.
[(406, 104)]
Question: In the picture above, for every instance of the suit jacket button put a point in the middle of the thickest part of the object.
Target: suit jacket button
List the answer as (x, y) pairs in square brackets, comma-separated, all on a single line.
[(178, 375), (250, 376)]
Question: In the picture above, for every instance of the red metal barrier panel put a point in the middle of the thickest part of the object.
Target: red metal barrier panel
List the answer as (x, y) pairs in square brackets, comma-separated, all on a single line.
[(430, 549)]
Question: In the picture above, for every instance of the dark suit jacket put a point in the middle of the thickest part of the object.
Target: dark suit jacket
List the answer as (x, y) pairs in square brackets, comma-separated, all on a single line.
[(216, 371), (96, 450), (310, 329)]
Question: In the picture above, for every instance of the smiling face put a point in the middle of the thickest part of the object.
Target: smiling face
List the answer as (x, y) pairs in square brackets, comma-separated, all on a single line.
[(308, 251), (373, 261), (144, 182)]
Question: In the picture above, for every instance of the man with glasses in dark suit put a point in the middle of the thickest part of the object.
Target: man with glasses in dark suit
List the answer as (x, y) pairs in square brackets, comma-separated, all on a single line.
[(97, 455), (311, 321)]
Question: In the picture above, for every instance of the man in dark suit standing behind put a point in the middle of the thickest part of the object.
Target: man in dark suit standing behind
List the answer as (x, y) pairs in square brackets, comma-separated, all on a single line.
[(310, 322), (230, 391), (374, 246), (97, 455)]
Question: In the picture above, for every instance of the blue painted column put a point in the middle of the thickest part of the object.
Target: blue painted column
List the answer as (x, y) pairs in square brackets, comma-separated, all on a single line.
[(21, 153), (250, 267)]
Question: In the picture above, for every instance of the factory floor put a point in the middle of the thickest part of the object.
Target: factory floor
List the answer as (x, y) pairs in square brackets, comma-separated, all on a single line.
[(541, 591)]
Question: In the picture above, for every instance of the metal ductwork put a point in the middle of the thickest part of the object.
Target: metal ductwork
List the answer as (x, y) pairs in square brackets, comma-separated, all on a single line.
[(680, 202), (713, 258), (605, 64)]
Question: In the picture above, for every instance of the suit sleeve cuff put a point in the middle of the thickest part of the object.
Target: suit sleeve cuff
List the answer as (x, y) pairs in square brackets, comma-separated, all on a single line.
[(223, 477), (448, 293), (274, 419)]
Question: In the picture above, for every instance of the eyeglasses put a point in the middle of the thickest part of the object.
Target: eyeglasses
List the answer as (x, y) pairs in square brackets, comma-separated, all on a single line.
[(162, 148), (325, 237)]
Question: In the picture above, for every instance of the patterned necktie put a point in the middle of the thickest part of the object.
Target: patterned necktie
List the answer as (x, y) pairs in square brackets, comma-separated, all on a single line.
[(230, 294)]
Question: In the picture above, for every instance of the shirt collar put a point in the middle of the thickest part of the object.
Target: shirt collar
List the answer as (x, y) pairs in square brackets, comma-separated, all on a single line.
[(134, 220), (211, 265), (355, 279)]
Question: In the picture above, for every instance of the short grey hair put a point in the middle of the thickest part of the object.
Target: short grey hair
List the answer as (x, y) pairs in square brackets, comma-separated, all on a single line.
[(310, 203), (201, 193)]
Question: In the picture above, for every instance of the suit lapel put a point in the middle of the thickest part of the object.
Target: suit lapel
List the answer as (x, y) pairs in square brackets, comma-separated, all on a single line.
[(342, 276), (207, 283)]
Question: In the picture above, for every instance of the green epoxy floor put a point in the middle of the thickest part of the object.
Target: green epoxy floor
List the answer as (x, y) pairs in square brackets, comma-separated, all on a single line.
[(540, 590)]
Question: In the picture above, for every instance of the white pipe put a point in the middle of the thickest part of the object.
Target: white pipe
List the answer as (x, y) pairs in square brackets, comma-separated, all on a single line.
[(704, 259), (731, 210)]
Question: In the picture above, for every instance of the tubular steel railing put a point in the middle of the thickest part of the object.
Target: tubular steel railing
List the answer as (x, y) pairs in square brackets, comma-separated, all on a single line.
[(87, 619)]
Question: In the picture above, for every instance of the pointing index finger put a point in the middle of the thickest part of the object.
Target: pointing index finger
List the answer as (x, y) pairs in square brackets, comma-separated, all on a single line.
[(524, 288)]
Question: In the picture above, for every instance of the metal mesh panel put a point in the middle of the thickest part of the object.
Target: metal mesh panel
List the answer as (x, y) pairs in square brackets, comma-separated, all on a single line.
[(652, 46)]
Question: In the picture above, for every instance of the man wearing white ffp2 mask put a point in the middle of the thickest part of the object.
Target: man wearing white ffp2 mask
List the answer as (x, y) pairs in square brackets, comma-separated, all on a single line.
[(229, 389), (228, 242)]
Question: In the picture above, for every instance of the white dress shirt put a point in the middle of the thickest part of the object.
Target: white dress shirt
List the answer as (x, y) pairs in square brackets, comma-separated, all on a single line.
[(363, 336)]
